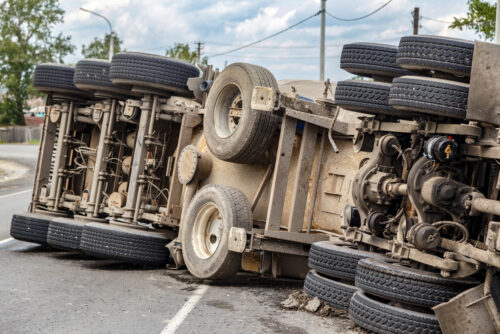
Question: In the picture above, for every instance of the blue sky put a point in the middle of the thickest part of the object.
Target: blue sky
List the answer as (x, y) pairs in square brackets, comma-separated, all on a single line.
[(152, 26)]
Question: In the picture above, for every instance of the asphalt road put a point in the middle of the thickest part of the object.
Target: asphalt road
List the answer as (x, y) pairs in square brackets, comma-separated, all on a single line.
[(15, 194), (47, 291)]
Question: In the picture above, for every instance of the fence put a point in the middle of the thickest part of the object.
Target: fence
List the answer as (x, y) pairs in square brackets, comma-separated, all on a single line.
[(20, 134)]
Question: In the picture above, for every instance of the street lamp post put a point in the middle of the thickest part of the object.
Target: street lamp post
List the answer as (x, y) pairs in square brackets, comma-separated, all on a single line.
[(111, 45)]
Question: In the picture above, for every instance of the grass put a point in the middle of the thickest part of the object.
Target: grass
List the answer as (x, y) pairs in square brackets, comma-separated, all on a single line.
[(30, 142)]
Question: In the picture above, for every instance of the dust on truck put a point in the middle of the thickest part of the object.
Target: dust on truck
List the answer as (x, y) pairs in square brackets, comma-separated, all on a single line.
[(388, 190)]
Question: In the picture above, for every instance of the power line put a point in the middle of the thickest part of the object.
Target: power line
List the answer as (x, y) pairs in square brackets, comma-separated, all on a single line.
[(304, 46), (268, 37), (277, 46), (430, 32), (435, 20), (361, 17), (279, 57)]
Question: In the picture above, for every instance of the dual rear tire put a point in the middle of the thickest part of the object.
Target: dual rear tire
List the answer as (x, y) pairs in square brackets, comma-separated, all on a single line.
[(30, 227), (393, 298), (409, 95), (334, 266), (128, 244)]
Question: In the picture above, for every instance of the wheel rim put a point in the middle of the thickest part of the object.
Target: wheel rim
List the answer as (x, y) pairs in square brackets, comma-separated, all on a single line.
[(228, 111), (208, 230)]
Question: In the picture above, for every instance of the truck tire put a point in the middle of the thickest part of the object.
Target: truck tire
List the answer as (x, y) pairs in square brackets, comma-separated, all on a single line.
[(30, 227), (382, 318), (337, 260), (333, 293), (205, 231), (430, 96), (240, 138), (407, 285), (436, 53), (152, 71), (65, 233), (365, 96), (93, 75), (56, 78), (126, 244), (371, 59)]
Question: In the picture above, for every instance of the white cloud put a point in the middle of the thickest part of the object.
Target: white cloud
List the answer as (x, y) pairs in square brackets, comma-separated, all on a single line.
[(152, 26), (267, 21)]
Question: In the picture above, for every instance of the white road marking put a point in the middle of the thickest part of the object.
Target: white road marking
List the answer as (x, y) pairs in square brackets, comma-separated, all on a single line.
[(184, 311), (18, 193), (5, 241)]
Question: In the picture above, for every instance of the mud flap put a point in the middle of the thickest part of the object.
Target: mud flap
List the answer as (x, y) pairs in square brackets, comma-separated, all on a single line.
[(175, 249), (467, 313)]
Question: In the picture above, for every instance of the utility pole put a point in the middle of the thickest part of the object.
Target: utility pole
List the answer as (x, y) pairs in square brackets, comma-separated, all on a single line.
[(497, 24), (416, 16), (198, 51), (322, 42)]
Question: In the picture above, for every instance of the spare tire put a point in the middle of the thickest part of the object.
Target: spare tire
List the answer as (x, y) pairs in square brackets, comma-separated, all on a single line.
[(382, 318), (407, 285), (244, 136), (30, 227), (205, 231), (56, 78), (430, 96), (365, 96), (437, 53), (128, 244), (371, 59), (158, 73), (333, 293), (93, 75)]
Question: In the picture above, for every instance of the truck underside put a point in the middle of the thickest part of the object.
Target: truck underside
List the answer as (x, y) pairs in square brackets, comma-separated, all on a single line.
[(144, 160)]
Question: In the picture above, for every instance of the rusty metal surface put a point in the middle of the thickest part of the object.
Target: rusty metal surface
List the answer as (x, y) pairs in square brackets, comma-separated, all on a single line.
[(484, 98), (465, 313)]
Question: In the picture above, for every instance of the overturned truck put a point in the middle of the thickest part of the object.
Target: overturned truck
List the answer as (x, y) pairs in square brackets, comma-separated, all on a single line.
[(387, 188)]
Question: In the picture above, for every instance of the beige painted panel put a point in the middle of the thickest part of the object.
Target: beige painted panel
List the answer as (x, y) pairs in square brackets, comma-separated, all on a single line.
[(243, 177), (334, 189)]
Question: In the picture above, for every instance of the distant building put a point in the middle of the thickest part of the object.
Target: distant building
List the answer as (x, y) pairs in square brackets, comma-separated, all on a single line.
[(35, 114)]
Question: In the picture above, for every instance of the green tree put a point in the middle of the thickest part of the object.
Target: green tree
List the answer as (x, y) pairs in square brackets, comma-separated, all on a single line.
[(480, 18), (99, 48), (181, 51), (26, 39)]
